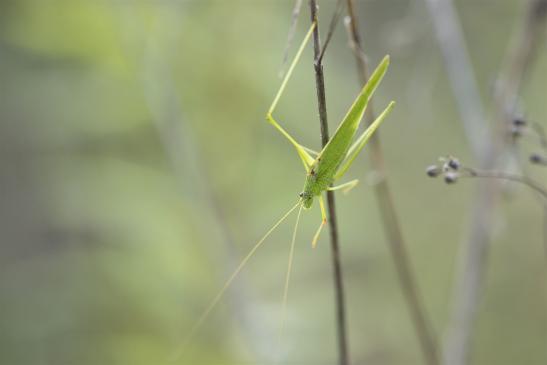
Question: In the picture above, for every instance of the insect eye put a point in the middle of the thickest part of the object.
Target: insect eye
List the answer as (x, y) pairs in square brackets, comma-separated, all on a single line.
[(301, 195)]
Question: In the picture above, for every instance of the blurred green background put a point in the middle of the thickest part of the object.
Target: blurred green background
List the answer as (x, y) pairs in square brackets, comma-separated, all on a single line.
[(137, 169)]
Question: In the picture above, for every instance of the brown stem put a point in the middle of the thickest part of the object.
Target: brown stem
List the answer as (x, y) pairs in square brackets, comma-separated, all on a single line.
[(332, 26), (390, 219), (343, 351)]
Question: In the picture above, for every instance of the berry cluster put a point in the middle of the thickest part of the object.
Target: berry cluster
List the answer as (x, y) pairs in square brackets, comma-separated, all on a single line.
[(449, 167)]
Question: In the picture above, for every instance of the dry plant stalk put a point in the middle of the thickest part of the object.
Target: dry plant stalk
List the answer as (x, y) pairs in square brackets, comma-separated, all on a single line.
[(343, 351), (389, 215)]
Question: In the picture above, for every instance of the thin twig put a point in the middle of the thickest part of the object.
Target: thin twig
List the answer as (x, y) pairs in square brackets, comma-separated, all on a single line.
[(390, 218), (502, 175), (469, 172), (343, 351), (522, 179), (332, 26), (290, 36)]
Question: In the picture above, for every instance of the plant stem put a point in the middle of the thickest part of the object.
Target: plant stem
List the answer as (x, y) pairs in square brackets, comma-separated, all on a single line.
[(343, 352), (511, 177), (390, 218)]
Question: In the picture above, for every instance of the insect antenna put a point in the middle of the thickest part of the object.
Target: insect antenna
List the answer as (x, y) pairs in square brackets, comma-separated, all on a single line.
[(197, 325), (288, 278)]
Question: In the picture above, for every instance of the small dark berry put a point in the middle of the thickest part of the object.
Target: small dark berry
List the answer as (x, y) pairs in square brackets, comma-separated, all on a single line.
[(433, 171), (450, 177), (454, 164), (519, 122), (536, 158)]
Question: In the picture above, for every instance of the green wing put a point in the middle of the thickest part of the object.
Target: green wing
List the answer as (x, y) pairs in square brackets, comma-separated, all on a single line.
[(336, 149), (362, 141)]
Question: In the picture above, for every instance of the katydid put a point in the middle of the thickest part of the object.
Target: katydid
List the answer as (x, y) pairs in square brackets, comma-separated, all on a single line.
[(322, 169), (338, 154)]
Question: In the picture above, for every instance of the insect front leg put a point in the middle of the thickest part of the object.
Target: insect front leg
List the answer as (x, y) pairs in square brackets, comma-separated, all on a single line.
[(323, 221), (304, 156)]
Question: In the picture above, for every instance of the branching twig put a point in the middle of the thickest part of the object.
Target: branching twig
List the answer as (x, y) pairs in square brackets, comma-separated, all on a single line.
[(334, 21), (390, 218), (452, 170), (333, 225)]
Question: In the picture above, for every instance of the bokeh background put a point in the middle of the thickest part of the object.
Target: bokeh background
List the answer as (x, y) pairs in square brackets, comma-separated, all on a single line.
[(137, 169)]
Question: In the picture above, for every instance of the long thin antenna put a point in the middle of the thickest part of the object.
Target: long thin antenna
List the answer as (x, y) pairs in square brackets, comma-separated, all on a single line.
[(288, 277), (225, 287)]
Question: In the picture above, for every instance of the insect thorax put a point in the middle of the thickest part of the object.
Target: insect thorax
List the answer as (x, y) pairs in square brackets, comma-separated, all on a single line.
[(313, 187)]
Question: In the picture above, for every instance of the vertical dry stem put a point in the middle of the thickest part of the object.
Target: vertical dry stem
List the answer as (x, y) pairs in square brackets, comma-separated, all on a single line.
[(343, 351), (390, 219)]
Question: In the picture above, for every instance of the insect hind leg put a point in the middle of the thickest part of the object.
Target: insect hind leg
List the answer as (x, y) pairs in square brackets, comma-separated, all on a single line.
[(302, 151), (291, 68)]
